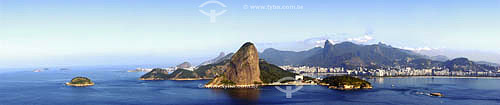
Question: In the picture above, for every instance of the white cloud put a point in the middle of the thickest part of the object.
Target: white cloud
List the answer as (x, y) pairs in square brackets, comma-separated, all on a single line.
[(362, 39), (319, 41), (419, 49)]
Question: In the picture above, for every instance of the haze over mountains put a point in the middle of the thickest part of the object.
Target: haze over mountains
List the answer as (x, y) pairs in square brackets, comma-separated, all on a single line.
[(222, 56), (342, 54), (424, 47), (350, 55), (474, 55)]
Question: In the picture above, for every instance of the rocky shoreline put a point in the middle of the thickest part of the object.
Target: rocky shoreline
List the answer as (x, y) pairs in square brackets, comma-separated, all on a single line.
[(487, 77), (79, 85), (346, 83), (188, 79), (177, 79), (349, 87), (151, 79), (231, 86), (80, 82)]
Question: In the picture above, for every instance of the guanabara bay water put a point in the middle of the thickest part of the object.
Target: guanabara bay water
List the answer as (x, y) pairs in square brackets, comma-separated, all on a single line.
[(116, 86)]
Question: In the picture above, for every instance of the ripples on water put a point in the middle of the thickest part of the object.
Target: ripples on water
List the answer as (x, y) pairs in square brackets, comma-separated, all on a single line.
[(115, 86)]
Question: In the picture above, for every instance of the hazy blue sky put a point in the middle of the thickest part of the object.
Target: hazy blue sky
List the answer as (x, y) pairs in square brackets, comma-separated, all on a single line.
[(114, 32)]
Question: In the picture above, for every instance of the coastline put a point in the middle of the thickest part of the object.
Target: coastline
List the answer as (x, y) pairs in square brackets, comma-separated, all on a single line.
[(175, 79), (79, 85), (189, 79), (481, 77), (151, 79), (348, 87), (271, 84), (231, 86), (261, 85)]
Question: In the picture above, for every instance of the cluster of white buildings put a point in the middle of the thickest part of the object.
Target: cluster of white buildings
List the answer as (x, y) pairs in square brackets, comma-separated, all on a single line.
[(424, 72), (307, 69), (401, 72), (396, 71)]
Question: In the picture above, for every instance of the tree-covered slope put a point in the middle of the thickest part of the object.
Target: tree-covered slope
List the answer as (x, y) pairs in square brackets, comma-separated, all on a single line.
[(270, 73)]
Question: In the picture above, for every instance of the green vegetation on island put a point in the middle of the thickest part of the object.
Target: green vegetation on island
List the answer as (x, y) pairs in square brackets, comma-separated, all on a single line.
[(80, 81), (241, 68), (179, 74), (346, 82), (209, 71), (182, 73), (270, 73), (155, 74), (225, 81), (221, 80)]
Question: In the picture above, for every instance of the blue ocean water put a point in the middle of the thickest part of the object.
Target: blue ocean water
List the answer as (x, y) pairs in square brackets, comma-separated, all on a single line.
[(115, 86)]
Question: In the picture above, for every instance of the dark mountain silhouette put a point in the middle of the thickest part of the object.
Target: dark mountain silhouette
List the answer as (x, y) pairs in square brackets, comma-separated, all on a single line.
[(464, 64), (441, 58), (243, 68), (351, 56), (487, 63), (287, 57), (212, 61), (345, 54)]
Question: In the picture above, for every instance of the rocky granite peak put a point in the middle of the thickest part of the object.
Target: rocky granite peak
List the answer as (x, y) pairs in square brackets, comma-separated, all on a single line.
[(243, 68), (328, 47), (328, 44)]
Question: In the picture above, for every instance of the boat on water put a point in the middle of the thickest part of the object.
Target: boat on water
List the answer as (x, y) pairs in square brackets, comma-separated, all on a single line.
[(37, 70)]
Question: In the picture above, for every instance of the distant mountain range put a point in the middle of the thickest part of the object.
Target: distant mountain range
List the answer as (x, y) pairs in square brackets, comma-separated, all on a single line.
[(221, 55), (221, 58), (350, 56), (184, 65), (464, 64), (487, 63), (441, 58), (345, 54)]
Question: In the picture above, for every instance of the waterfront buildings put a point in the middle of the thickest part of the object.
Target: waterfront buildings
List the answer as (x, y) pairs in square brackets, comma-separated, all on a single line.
[(393, 71)]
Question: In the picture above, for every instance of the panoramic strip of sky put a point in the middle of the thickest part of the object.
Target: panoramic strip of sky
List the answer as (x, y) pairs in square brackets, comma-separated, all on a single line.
[(100, 32)]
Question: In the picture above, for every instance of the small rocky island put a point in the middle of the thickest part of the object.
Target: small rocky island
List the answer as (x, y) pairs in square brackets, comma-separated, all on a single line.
[(80, 82), (346, 83)]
